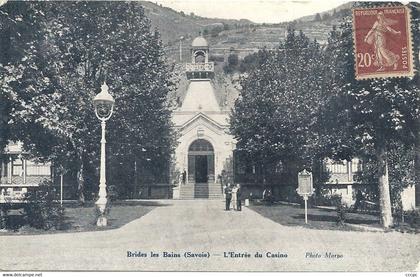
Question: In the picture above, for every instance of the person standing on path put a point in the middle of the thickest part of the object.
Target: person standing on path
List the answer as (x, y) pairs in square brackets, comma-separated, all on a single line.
[(184, 176), (235, 197), (238, 197), (228, 196)]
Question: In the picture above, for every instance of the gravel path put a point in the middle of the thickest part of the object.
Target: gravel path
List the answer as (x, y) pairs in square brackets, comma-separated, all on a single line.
[(202, 227)]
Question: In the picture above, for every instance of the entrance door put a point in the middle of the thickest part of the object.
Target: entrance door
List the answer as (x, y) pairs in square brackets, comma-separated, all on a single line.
[(200, 162), (201, 169)]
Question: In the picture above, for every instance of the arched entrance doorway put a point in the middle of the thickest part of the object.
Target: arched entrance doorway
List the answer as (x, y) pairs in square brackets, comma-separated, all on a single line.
[(200, 162)]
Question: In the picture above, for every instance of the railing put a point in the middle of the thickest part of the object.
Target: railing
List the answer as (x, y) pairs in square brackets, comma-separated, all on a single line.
[(199, 67), (11, 195)]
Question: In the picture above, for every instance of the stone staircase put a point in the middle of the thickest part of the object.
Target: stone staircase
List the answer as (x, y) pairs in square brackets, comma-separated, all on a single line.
[(201, 190)]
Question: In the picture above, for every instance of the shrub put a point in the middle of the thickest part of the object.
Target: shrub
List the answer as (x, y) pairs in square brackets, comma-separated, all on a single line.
[(42, 211), (233, 60), (332, 200), (3, 217), (232, 64), (335, 199), (398, 213), (289, 194), (217, 58), (10, 221), (342, 210), (98, 211), (253, 197), (113, 193), (413, 218)]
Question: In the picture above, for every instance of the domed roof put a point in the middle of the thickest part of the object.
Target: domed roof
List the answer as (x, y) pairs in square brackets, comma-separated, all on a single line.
[(200, 42)]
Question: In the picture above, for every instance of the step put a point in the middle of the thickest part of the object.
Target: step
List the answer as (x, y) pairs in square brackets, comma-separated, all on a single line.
[(200, 191), (192, 198), (197, 189)]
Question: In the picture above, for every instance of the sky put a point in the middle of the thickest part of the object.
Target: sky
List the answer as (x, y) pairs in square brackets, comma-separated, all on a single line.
[(258, 11)]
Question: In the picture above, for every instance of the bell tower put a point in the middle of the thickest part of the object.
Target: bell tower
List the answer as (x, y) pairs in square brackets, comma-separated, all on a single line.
[(200, 96), (200, 67)]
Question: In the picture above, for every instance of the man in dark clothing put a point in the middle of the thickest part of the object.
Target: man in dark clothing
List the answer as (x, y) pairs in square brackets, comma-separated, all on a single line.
[(184, 177), (219, 177), (238, 197), (228, 194), (359, 199)]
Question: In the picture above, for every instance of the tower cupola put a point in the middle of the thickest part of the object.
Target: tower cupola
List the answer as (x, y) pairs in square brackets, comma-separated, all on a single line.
[(200, 42), (200, 67)]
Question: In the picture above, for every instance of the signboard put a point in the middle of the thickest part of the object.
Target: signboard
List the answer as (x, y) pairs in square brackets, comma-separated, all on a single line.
[(305, 183), (305, 188)]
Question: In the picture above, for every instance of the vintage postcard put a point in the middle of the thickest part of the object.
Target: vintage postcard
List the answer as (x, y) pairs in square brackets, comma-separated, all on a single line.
[(209, 136)]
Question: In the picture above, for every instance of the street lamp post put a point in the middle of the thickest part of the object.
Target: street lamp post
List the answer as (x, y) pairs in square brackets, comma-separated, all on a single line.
[(104, 105), (180, 48)]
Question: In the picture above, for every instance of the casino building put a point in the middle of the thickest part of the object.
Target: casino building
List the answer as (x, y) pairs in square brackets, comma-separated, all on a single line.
[(206, 151), (205, 146)]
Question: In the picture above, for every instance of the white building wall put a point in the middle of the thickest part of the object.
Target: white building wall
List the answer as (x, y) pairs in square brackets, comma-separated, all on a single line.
[(222, 143), (408, 198)]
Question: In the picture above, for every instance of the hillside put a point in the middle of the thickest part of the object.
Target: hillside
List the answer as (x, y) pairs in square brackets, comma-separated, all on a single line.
[(173, 24), (225, 34), (335, 13)]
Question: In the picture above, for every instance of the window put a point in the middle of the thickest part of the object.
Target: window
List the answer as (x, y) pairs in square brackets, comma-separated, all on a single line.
[(356, 165), (279, 167), (339, 168), (336, 167), (3, 169), (241, 169), (37, 169), (199, 57), (201, 145), (17, 168)]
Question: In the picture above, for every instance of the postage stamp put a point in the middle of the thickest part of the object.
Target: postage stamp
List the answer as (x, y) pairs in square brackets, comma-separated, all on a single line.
[(382, 42)]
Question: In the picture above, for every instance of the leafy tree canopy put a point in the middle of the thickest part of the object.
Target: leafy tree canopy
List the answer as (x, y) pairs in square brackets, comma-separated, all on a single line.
[(51, 82)]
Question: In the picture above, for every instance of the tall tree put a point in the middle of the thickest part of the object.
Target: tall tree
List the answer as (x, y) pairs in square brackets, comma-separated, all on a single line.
[(411, 89), (17, 30), (84, 44), (273, 119), (375, 110)]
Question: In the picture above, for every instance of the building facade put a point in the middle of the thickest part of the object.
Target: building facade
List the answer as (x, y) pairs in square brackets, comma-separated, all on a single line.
[(343, 181), (206, 151), (18, 173), (205, 146)]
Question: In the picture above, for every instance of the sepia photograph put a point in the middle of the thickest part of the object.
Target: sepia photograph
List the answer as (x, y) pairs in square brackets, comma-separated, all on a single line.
[(209, 136)]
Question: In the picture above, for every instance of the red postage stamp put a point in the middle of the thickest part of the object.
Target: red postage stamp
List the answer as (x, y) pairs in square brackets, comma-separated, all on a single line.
[(382, 42)]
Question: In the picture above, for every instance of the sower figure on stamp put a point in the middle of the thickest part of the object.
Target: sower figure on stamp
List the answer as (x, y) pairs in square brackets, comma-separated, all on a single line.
[(377, 35), (228, 196)]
